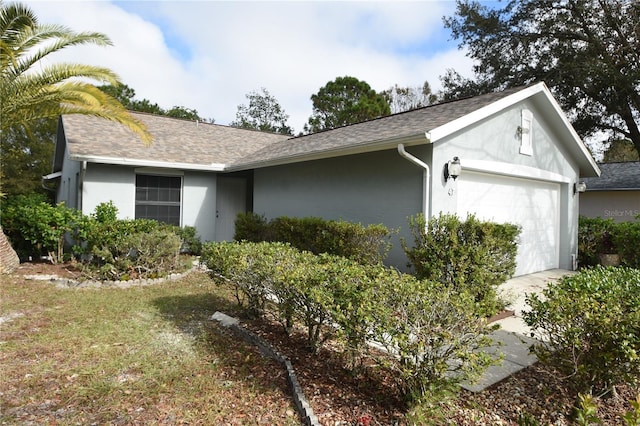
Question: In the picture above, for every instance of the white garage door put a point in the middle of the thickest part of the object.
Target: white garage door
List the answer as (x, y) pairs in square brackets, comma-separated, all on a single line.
[(534, 205)]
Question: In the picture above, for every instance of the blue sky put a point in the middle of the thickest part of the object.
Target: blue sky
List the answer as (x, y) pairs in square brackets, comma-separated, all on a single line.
[(208, 55)]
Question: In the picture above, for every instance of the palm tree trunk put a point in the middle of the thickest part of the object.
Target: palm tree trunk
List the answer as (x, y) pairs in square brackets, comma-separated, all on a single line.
[(9, 260)]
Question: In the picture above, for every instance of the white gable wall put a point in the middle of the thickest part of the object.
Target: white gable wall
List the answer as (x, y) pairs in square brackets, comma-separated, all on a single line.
[(492, 146)]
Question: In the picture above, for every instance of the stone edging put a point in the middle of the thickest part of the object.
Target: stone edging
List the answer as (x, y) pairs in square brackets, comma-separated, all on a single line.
[(70, 283), (302, 405)]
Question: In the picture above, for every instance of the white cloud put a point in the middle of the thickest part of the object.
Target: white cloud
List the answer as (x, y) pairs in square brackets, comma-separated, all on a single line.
[(207, 55)]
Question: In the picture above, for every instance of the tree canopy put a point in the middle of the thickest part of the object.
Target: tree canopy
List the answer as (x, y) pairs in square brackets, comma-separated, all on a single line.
[(620, 150), (126, 96), (263, 113), (402, 99), (31, 91), (26, 156), (343, 101), (586, 51)]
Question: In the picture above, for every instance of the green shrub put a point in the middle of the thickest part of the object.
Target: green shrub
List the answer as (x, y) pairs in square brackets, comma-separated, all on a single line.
[(626, 239), (470, 256), (103, 231), (436, 337), (141, 255), (191, 243), (435, 334), (591, 322), (595, 236), (249, 267), (113, 249), (364, 244), (251, 227), (35, 227)]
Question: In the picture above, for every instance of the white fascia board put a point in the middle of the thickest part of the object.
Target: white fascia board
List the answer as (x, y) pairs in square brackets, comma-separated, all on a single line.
[(451, 127), (512, 170), (574, 135), (213, 167), (445, 130), (371, 146)]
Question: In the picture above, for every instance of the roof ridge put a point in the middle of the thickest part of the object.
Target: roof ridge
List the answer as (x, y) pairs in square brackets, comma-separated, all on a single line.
[(502, 93), (185, 120)]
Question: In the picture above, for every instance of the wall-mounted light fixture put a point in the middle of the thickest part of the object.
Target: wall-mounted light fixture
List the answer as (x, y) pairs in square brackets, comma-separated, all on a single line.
[(579, 187), (452, 169)]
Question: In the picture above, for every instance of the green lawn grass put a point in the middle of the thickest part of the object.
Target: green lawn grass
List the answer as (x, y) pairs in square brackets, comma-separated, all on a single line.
[(141, 355)]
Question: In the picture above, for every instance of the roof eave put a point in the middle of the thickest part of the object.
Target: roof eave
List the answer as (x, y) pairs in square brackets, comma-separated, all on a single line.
[(611, 189), (362, 148), (134, 162)]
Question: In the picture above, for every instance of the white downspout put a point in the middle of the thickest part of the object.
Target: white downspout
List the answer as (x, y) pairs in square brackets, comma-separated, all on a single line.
[(425, 182), (83, 171)]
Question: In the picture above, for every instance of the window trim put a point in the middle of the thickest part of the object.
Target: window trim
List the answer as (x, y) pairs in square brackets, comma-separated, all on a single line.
[(526, 132), (155, 174)]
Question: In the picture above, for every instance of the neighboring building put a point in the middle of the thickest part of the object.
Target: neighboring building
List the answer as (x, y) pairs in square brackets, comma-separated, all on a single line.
[(519, 155), (615, 194)]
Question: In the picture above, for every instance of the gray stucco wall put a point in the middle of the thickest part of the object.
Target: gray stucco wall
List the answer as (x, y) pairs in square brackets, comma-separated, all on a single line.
[(621, 206), (67, 191), (199, 203), (103, 183), (372, 188)]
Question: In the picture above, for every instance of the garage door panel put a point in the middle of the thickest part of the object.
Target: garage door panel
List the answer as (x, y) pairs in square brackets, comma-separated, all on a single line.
[(534, 205)]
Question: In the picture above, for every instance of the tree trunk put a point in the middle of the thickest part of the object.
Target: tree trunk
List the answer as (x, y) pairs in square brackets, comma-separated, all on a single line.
[(9, 260)]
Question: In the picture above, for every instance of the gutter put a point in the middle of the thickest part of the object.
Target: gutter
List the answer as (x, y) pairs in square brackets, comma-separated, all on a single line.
[(425, 182), (213, 167), (49, 177), (359, 148)]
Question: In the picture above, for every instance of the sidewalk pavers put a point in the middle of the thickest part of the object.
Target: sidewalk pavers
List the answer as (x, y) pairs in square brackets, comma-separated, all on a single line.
[(513, 338)]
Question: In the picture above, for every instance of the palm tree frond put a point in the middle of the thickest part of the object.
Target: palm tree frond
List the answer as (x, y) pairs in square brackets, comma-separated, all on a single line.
[(30, 94)]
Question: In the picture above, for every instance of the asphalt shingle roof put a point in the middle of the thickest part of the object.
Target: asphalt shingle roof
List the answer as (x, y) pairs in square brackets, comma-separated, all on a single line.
[(188, 142), (621, 176), (175, 140), (410, 123)]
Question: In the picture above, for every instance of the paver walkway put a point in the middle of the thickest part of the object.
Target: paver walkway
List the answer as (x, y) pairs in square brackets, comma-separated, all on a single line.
[(514, 337)]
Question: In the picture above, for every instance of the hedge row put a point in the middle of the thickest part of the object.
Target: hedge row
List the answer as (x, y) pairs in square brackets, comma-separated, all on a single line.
[(604, 236), (430, 332), (110, 249), (365, 244)]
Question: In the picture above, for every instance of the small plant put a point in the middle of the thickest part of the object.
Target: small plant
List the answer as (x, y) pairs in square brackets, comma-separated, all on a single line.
[(632, 417), (586, 411), (526, 419), (590, 322)]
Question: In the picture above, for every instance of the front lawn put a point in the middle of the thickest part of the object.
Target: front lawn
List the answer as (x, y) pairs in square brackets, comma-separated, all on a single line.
[(145, 355), (150, 355)]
